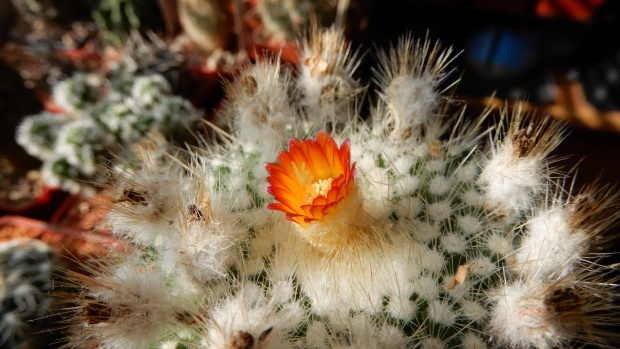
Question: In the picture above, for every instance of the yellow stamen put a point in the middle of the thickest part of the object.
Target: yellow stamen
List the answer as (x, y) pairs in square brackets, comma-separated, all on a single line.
[(320, 188), (323, 186)]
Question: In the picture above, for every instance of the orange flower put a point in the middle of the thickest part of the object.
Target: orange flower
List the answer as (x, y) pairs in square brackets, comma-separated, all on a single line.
[(311, 179)]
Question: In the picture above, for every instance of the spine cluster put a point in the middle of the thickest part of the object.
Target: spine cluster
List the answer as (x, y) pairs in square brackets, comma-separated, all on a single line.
[(446, 233)]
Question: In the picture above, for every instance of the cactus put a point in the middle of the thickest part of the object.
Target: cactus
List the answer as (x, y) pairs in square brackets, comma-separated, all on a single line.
[(33, 10), (397, 229), (74, 146), (28, 269), (50, 10), (206, 22), (282, 20), (118, 18), (145, 54)]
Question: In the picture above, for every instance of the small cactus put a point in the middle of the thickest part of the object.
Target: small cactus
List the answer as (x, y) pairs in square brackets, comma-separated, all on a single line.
[(26, 293), (331, 229), (145, 55), (206, 22), (50, 10), (36, 10), (74, 146), (118, 18), (283, 20)]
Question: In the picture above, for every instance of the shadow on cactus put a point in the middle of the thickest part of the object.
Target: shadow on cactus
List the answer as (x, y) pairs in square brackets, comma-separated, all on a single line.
[(396, 229)]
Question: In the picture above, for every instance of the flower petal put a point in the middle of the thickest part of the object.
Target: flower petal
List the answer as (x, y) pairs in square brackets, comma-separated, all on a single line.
[(296, 178)]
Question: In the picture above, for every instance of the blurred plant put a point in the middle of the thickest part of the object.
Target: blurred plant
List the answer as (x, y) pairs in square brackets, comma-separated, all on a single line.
[(145, 54), (33, 10), (400, 229), (283, 20), (118, 18), (102, 117), (27, 281), (51, 10), (206, 22)]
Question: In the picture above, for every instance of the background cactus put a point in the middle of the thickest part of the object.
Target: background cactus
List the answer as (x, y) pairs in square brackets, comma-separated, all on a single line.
[(32, 10), (118, 18), (399, 228), (146, 55), (102, 117), (207, 23), (51, 10), (283, 20), (26, 304)]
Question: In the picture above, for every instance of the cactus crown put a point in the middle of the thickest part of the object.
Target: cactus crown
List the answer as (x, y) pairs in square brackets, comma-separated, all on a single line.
[(400, 228)]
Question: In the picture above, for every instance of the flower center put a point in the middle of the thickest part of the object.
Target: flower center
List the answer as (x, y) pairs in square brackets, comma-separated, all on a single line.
[(314, 188), (319, 188)]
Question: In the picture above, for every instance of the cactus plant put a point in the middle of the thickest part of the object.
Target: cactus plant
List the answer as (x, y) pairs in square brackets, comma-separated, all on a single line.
[(397, 229), (51, 10), (282, 20), (32, 10), (28, 269), (118, 18), (206, 22), (145, 54), (99, 123)]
